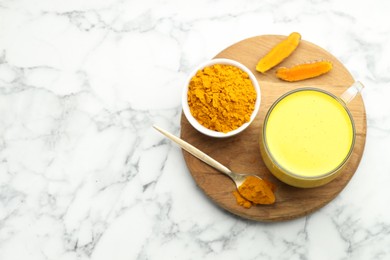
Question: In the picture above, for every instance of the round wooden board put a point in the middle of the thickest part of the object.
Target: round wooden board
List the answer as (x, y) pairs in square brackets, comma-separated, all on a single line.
[(242, 152)]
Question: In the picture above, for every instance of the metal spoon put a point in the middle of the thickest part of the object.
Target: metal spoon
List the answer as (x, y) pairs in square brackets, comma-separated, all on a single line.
[(238, 178)]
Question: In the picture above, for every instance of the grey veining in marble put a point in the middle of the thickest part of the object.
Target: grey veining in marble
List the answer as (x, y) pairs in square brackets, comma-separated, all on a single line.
[(84, 176)]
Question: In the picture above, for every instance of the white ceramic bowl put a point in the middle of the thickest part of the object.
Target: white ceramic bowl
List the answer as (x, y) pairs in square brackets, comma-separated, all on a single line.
[(205, 130)]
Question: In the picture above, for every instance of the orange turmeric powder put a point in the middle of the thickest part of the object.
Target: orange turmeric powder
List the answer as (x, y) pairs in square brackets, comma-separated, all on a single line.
[(241, 200), (256, 191), (221, 97)]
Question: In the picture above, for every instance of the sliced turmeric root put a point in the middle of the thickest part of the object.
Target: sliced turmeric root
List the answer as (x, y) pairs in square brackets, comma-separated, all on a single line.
[(281, 51), (304, 71)]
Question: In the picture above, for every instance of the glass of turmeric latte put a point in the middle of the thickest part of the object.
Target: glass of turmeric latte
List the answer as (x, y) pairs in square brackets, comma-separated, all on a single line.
[(308, 136)]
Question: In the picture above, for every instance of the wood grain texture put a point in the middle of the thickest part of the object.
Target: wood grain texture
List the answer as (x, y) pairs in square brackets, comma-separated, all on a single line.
[(242, 153)]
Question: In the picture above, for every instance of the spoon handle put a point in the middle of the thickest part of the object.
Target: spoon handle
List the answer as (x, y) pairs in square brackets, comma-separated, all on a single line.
[(196, 152)]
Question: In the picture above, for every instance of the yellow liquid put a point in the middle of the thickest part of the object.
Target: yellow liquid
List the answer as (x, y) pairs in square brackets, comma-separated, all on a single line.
[(309, 133)]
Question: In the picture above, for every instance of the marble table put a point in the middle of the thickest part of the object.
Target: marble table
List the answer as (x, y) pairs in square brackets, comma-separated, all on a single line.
[(83, 175)]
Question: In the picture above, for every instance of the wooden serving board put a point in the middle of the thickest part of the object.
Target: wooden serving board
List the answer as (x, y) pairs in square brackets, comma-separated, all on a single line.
[(241, 153)]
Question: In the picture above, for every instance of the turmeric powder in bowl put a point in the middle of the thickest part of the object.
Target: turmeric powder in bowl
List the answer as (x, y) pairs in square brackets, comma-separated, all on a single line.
[(222, 98)]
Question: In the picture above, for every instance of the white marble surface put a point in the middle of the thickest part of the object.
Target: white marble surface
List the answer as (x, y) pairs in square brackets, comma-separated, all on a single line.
[(84, 176)]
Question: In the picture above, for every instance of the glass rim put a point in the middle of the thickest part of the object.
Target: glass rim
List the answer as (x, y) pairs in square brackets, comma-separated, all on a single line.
[(322, 175)]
